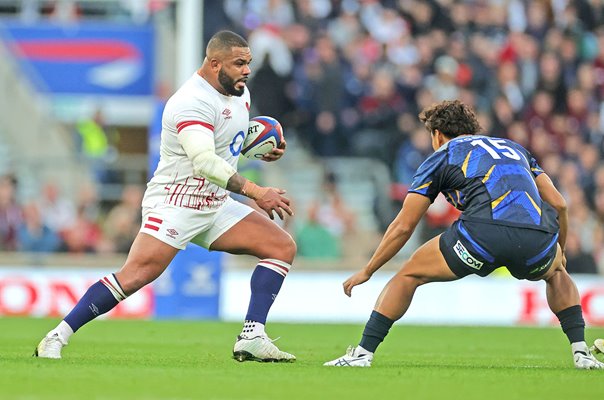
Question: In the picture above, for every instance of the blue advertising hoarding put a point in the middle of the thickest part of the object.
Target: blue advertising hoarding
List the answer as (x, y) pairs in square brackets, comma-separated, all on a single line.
[(86, 58), (190, 287)]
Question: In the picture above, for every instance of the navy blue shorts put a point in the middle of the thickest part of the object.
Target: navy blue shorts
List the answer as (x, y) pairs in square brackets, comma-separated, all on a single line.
[(480, 248)]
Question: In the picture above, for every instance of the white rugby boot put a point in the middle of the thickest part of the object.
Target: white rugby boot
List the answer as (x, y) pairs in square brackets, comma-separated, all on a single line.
[(50, 346), (354, 357), (259, 348), (583, 357), (587, 361), (598, 346)]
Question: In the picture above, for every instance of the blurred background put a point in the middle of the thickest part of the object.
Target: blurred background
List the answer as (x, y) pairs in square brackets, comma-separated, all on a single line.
[(83, 85)]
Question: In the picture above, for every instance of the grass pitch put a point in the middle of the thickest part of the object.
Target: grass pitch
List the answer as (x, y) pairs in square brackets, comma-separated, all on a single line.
[(192, 360)]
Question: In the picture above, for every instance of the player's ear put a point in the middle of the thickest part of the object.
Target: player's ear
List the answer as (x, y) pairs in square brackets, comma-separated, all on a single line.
[(438, 136), (215, 64)]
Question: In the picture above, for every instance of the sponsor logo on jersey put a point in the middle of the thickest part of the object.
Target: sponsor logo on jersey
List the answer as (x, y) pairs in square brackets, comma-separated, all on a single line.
[(227, 113), (466, 257), (172, 233), (539, 268)]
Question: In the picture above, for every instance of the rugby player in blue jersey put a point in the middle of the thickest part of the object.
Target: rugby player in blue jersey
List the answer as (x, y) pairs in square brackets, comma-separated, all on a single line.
[(512, 215)]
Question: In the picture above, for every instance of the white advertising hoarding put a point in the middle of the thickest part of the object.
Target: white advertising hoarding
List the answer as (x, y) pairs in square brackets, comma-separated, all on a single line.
[(318, 297), (53, 292), (314, 297)]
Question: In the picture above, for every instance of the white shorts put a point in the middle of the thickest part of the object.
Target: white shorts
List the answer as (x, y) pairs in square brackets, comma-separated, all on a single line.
[(178, 226)]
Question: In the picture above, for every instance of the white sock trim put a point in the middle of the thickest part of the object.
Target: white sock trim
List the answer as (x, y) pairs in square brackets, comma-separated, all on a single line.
[(579, 346), (252, 329), (280, 267), (114, 287), (64, 331)]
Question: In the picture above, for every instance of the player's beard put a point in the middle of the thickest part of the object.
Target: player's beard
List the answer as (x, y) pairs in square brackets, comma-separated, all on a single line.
[(228, 84)]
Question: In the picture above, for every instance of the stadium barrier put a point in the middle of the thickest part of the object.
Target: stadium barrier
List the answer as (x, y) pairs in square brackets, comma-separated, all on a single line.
[(199, 290)]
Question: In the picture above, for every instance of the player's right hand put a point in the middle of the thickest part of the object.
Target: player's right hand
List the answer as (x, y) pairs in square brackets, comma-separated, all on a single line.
[(274, 201), (360, 277)]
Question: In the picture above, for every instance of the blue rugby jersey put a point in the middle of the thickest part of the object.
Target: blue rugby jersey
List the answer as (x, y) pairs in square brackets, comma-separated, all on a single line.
[(489, 179)]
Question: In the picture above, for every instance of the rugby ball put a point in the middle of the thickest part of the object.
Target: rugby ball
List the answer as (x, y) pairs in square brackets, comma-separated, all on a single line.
[(263, 135)]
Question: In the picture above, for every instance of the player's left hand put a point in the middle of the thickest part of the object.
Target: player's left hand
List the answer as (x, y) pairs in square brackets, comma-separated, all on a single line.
[(360, 277), (276, 153)]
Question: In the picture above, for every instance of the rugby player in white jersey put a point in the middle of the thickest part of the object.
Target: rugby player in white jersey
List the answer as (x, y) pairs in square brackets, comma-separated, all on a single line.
[(187, 200)]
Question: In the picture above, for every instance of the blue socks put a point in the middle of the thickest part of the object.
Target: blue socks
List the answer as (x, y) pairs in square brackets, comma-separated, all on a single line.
[(98, 299), (265, 283)]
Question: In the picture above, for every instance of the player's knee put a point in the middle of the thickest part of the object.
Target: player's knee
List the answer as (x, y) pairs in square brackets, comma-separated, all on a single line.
[(286, 249), (133, 277)]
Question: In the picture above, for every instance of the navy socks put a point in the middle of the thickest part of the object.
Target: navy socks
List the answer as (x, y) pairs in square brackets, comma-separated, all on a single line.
[(571, 320), (375, 331), (100, 298), (265, 283)]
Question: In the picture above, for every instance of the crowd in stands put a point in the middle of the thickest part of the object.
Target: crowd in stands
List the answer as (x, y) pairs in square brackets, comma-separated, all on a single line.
[(53, 223), (349, 77)]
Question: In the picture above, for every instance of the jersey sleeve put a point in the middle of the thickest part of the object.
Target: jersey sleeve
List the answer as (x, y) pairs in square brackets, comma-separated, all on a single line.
[(426, 180), (194, 112), (536, 170)]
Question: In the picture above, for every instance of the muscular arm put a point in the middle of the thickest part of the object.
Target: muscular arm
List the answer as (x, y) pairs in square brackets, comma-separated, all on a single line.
[(552, 196), (199, 147), (399, 231)]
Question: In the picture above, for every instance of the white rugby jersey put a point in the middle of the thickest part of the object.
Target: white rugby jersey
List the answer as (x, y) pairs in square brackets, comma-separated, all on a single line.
[(227, 117)]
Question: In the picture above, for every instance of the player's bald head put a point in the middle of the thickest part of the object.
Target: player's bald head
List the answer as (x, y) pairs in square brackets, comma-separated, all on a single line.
[(222, 42)]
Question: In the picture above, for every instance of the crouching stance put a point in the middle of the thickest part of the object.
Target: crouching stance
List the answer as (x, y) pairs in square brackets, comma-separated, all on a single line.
[(187, 200), (512, 216)]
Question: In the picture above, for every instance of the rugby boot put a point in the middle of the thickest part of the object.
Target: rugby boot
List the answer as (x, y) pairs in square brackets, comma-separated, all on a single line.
[(50, 346), (259, 348), (354, 357)]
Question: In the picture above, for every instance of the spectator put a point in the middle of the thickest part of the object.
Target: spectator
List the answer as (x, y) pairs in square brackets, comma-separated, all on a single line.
[(314, 240), (96, 144), (33, 235), (330, 209), (551, 79), (84, 236), (578, 261), (411, 154), (124, 220), (59, 213), (10, 213), (443, 84), (328, 223)]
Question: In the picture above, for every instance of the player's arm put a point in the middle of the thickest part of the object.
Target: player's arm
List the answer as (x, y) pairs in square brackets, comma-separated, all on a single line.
[(551, 195), (267, 198), (396, 236), (198, 144)]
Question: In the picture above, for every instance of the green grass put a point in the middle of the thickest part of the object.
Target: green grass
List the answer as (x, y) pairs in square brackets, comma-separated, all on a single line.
[(191, 360)]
